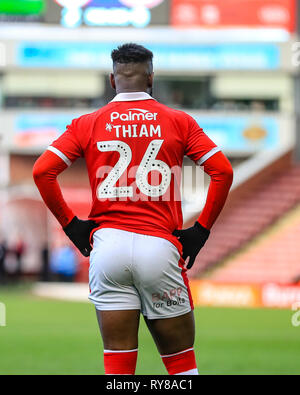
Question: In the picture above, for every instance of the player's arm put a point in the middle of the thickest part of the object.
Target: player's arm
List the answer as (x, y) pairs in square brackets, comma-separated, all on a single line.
[(45, 172), (220, 171), (204, 152)]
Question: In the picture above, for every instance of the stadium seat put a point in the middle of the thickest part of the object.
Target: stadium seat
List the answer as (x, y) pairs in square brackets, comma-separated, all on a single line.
[(275, 260)]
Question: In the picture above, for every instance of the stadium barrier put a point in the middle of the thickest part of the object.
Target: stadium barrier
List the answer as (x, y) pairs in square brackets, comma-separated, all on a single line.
[(2, 314), (208, 293), (205, 293)]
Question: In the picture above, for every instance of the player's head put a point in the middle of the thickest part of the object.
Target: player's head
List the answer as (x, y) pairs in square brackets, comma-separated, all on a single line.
[(132, 69)]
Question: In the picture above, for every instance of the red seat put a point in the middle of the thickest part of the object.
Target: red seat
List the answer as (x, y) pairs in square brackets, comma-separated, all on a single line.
[(250, 216)]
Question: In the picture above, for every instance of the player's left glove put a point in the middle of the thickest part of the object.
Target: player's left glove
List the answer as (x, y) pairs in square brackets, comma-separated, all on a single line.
[(79, 233), (192, 240)]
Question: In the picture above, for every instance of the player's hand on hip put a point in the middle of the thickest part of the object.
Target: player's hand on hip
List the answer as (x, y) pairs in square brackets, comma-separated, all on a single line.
[(79, 233), (192, 240)]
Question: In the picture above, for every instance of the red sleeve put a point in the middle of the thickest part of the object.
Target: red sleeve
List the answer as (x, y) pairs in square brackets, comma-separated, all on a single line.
[(199, 147), (68, 146), (219, 169), (45, 172)]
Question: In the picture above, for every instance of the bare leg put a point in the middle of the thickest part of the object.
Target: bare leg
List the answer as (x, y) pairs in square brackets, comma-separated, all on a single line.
[(173, 335), (119, 329)]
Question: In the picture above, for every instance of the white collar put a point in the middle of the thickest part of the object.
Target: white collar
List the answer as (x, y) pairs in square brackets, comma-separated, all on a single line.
[(132, 96)]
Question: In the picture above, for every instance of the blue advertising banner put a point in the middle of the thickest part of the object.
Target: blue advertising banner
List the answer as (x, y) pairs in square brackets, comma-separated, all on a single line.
[(38, 130), (241, 134), (167, 56)]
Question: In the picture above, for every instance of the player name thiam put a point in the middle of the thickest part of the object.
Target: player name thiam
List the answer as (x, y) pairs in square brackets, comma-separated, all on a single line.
[(137, 130)]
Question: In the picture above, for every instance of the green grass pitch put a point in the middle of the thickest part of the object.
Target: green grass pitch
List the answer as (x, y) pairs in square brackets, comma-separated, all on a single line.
[(52, 337)]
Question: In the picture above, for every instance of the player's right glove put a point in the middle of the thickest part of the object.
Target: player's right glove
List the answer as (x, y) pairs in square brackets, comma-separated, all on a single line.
[(79, 233), (192, 240)]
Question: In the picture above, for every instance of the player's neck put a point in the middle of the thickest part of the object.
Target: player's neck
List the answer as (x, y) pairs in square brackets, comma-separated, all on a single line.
[(132, 89)]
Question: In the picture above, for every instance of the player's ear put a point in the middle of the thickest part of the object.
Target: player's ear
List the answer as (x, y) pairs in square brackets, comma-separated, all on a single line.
[(112, 81), (150, 80)]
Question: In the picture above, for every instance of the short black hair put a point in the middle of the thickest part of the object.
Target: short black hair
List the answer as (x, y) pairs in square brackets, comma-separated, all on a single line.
[(132, 53)]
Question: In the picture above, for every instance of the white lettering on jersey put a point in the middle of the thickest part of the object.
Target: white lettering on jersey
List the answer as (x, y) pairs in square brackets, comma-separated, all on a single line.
[(137, 130), (134, 114)]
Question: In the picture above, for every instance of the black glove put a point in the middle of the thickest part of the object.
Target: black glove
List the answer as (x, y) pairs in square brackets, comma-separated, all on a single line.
[(79, 233), (192, 240)]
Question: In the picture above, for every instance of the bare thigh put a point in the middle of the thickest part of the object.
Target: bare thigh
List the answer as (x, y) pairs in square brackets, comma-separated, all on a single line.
[(119, 329), (172, 335)]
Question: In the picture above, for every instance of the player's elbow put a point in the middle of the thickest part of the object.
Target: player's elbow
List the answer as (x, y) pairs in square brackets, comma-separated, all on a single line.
[(225, 170), (39, 171), (227, 173)]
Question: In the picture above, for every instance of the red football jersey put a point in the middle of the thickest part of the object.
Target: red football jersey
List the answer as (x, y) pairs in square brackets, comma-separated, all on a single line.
[(134, 149)]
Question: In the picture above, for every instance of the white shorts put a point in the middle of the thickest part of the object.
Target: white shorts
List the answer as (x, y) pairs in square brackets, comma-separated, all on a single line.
[(131, 271)]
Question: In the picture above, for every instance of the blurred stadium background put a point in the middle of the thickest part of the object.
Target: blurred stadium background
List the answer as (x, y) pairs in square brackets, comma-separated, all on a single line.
[(232, 64)]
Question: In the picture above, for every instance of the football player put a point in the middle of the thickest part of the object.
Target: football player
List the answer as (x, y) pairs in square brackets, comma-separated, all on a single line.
[(139, 254)]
